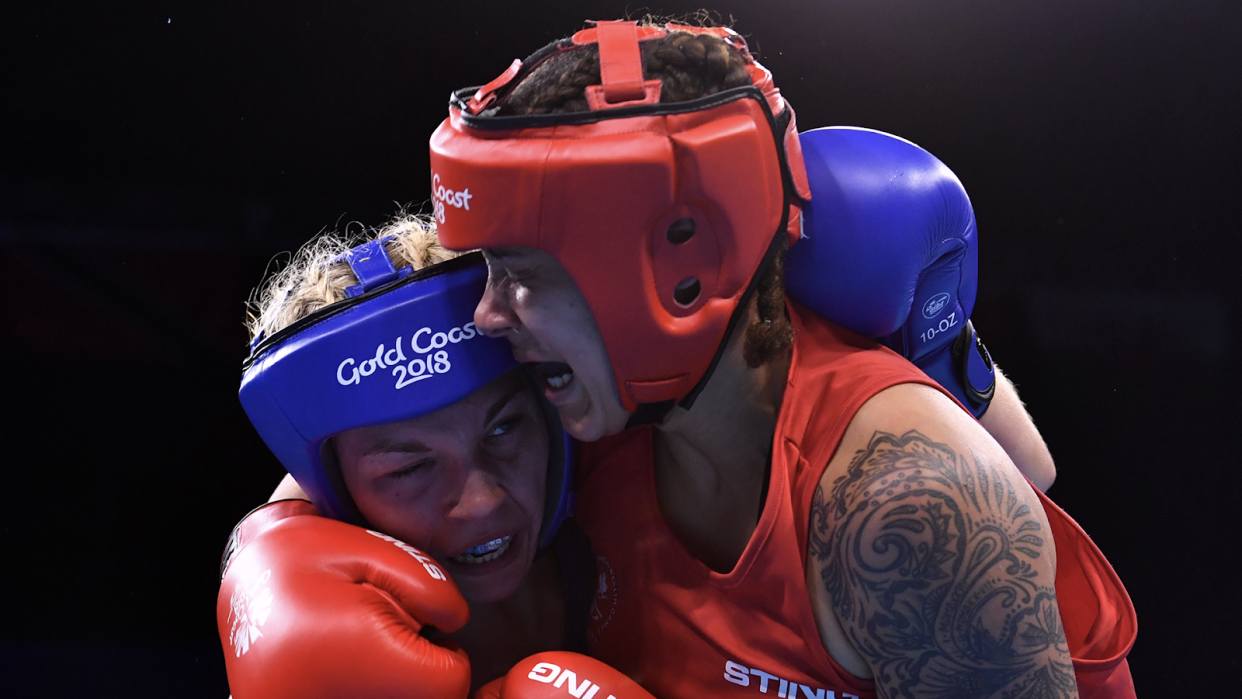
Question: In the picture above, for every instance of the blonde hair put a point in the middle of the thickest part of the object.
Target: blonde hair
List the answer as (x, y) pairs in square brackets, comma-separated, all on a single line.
[(312, 280)]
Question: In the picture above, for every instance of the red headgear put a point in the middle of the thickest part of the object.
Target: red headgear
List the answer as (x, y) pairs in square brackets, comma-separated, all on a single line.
[(661, 213)]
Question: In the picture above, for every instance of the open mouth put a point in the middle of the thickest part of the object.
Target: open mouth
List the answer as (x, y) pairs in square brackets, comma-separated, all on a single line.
[(484, 552), (552, 375)]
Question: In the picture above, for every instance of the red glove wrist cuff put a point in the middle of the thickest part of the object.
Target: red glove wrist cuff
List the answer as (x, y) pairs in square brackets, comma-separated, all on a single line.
[(257, 521)]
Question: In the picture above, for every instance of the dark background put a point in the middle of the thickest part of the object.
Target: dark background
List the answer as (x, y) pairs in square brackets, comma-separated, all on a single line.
[(156, 156)]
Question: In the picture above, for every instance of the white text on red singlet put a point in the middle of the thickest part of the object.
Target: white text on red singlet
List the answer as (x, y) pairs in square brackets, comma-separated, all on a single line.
[(739, 674)]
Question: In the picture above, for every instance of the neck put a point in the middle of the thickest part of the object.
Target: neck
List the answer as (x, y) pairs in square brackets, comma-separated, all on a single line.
[(711, 461)]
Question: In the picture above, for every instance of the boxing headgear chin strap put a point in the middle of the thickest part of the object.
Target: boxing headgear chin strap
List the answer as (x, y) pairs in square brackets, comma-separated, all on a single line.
[(403, 345), (662, 213)]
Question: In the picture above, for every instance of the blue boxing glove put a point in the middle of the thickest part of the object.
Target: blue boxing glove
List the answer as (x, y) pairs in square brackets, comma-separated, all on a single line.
[(889, 251)]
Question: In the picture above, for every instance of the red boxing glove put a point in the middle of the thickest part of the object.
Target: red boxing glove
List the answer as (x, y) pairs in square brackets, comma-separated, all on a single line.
[(491, 690), (560, 675), (311, 607)]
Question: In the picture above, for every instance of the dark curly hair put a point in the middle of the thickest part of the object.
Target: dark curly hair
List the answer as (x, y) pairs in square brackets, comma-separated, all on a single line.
[(689, 66)]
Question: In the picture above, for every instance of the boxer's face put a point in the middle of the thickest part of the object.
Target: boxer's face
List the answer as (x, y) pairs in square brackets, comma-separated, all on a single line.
[(464, 484), (533, 303)]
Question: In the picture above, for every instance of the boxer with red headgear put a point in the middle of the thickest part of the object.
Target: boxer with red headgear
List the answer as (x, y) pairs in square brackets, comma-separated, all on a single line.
[(795, 509)]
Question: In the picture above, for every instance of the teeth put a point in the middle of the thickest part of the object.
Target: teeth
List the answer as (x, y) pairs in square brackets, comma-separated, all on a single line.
[(490, 546), (485, 552), (554, 375), (560, 381)]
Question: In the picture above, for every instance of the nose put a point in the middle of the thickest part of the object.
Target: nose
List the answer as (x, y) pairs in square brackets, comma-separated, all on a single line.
[(494, 315), (479, 499)]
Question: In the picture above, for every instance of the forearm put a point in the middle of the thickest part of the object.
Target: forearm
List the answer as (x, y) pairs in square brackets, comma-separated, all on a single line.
[(1011, 426)]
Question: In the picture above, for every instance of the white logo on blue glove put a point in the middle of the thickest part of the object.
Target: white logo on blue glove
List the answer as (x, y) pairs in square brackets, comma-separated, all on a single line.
[(935, 305)]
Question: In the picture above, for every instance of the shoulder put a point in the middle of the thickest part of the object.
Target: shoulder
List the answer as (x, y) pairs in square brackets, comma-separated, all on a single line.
[(909, 404), (932, 555), (834, 374), (910, 446)]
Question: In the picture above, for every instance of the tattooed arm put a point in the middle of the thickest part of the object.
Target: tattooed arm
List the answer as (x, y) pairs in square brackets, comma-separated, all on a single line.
[(930, 561)]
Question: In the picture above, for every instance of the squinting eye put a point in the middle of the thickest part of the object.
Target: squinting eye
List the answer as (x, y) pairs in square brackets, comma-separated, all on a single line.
[(408, 470)]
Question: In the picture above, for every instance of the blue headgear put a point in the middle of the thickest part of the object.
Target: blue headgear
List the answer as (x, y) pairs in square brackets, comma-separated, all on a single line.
[(403, 344)]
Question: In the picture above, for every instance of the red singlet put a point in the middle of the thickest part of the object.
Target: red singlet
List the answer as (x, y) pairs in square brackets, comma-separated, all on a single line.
[(683, 630)]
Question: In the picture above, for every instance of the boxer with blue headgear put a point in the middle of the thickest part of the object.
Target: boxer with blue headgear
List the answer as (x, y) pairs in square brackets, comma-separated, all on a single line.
[(430, 465)]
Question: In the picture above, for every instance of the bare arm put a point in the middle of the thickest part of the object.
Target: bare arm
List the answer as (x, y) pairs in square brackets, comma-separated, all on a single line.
[(1010, 425), (930, 558), (288, 489)]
